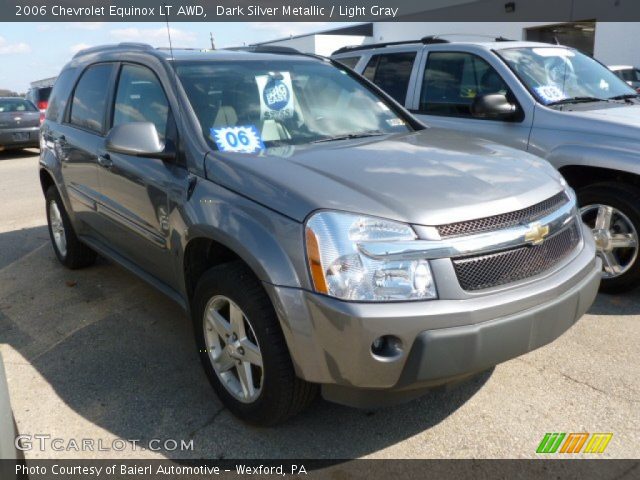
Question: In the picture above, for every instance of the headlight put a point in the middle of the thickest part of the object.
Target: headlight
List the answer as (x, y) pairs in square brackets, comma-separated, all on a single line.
[(339, 269)]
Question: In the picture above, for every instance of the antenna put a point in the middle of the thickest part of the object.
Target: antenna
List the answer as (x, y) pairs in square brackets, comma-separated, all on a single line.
[(213, 46), (175, 88)]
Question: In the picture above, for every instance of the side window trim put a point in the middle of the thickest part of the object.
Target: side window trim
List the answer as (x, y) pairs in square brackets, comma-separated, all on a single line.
[(172, 133), (66, 117), (116, 84), (412, 76)]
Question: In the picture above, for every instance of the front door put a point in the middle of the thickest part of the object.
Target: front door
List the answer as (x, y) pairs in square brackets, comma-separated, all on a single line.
[(448, 83), (136, 189)]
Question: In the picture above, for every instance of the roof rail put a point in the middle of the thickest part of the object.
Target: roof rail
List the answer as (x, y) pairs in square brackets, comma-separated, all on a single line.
[(115, 46), (264, 49), (354, 48), (431, 39), (428, 40)]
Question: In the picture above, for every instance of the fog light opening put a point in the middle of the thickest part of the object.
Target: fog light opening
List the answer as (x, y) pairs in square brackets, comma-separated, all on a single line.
[(387, 346)]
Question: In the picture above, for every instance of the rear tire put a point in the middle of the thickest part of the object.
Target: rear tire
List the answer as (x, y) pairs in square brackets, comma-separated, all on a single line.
[(620, 203), (277, 393), (71, 252)]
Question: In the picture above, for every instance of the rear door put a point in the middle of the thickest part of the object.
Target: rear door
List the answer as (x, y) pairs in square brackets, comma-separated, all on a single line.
[(449, 80), (136, 190), (78, 140)]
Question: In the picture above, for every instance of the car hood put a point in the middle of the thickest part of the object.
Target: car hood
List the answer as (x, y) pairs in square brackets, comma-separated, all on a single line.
[(621, 120), (429, 177)]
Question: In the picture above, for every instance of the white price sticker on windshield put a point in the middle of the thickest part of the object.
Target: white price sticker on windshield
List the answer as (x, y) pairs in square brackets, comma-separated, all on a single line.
[(550, 93), (245, 139)]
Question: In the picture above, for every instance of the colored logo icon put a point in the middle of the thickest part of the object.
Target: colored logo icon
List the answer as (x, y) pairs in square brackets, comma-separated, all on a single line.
[(574, 443)]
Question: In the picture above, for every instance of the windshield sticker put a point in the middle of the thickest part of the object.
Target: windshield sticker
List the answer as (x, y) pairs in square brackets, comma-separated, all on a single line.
[(550, 93), (244, 138), (276, 96)]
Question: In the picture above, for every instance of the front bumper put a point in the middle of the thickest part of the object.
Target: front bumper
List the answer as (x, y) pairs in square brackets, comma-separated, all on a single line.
[(31, 134), (443, 340)]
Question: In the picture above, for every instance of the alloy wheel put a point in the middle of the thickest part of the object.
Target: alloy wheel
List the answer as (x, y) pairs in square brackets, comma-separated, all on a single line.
[(57, 228), (233, 349), (615, 236)]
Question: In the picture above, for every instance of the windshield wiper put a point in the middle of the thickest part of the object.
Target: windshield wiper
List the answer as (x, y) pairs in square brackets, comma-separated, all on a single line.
[(350, 136), (577, 100), (626, 96)]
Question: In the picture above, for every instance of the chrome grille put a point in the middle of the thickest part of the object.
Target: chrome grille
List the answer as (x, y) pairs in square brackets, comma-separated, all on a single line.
[(492, 270), (505, 220)]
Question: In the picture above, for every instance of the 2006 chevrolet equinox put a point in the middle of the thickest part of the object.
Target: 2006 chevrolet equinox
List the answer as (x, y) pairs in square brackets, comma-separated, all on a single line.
[(318, 235)]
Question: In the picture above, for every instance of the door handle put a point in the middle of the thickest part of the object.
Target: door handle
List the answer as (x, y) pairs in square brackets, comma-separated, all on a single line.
[(105, 161)]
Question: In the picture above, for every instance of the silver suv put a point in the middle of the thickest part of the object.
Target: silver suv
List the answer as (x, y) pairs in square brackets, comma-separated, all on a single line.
[(316, 234), (546, 99)]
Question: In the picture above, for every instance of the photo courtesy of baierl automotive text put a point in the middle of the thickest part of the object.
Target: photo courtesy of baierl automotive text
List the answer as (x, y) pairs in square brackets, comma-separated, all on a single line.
[(402, 231)]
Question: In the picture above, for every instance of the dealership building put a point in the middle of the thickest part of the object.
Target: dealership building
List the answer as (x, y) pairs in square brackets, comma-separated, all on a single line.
[(612, 43)]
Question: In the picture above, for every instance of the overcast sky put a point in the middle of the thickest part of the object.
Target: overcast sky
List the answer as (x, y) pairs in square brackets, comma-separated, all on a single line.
[(33, 51)]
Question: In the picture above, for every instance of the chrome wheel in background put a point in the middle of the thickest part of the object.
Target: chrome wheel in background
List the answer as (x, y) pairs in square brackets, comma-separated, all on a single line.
[(615, 236), (233, 349)]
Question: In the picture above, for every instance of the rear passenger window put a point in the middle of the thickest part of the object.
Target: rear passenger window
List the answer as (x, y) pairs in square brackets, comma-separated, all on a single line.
[(90, 98), (141, 98), (391, 72), (59, 95), (453, 79), (350, 62)]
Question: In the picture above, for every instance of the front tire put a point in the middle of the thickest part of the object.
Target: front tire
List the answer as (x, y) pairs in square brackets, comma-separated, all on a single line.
[(612, 211), (242, 347), (71, 252)]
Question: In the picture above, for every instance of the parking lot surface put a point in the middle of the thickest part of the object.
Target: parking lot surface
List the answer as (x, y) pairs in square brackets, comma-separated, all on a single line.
[(97, 354)]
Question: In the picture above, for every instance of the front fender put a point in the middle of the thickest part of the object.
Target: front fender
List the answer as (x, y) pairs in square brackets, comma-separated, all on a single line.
[(270, 243)]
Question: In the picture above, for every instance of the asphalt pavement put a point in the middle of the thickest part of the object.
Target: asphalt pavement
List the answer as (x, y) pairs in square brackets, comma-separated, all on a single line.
[(97, 354)]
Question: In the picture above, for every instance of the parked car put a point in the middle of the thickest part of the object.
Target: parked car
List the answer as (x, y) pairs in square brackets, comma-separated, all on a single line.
[(549, 100), (629, 74), (315, 232), (39, 96), (19, 123)]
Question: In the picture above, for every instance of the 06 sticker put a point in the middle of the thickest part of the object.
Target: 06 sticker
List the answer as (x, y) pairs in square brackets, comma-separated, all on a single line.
[(244, 138)]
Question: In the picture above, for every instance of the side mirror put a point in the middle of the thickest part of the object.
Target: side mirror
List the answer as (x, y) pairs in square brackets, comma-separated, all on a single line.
[(139, 139), (494, 106)]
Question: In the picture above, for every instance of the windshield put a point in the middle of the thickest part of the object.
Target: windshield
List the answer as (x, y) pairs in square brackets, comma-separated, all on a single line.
[(247, 105), (557, 74), (16, 105)]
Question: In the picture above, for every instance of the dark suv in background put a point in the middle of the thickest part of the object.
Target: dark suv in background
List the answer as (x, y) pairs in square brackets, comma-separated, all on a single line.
[(316, 233)]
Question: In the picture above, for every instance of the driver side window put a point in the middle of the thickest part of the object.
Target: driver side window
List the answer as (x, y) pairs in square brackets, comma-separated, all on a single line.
[(140, 98), (452, 80)]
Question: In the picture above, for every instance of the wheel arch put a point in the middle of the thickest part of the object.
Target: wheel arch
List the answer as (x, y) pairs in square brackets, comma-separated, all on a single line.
[(208, 247), (583, 165), (579, 176)]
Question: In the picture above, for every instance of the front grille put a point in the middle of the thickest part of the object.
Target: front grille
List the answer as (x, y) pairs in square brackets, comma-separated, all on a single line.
[(505, 220), (492, 270)]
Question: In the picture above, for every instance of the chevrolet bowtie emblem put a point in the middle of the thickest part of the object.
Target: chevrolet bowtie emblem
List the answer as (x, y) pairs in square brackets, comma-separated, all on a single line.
[(536, 234)]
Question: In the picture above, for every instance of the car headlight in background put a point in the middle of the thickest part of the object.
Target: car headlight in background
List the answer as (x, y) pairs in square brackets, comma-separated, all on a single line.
[(338, 268)]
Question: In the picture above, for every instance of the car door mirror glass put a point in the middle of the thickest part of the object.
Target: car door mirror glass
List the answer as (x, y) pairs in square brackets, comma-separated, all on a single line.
[(139, 139), (495, 106)]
